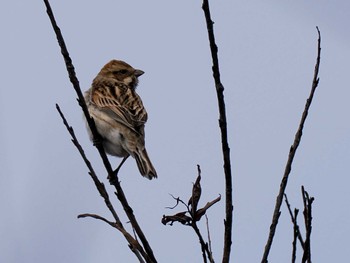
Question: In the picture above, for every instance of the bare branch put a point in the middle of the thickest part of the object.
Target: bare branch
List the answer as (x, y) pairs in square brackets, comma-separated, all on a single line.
[(137, 254), (178, 201), (307, 200), (209, 240), (97, 138), (113, 224), (223, 128), (292, 152), (295, 235), (133, 244), (294, 221), (100, 186), (204, 245)]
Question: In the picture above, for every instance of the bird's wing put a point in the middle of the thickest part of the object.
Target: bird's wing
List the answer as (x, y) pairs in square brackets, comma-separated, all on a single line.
[(120, 103)]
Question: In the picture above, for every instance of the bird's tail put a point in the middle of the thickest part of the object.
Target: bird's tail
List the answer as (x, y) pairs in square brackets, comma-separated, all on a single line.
[(144, 164)]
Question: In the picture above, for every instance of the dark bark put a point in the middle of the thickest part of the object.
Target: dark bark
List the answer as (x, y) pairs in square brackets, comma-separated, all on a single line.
[(223, 128), (291, 155)]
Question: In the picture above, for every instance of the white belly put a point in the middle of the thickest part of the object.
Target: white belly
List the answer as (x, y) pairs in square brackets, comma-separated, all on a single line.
[(111, 135)]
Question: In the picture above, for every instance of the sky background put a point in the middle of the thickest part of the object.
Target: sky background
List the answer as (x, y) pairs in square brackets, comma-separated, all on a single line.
[(267, 52)]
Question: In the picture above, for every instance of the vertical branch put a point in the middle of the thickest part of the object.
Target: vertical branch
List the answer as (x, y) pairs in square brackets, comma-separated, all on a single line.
[(307, 200), (201, 241), (295, 235), (223, 129), (209, 240), (292, 152), (96, 137)]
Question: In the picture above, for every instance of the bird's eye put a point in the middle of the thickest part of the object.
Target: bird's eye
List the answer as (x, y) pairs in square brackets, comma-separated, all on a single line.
[(120, 72)]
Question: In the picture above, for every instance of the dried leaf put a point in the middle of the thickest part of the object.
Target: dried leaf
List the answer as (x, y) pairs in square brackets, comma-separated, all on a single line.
[(204, 209), (196, 194), (179, 217)]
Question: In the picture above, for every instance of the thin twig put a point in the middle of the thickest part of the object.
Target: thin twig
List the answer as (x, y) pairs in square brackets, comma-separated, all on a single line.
[(294, 221), (138, 255), (99, 185), (113, 177), (223, 128), (178, 201), (133, 244), (113, 224), (209, 240), (292, 152), (204, 246)]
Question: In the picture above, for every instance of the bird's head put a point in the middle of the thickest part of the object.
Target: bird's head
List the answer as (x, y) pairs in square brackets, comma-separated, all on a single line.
[(122, 72)]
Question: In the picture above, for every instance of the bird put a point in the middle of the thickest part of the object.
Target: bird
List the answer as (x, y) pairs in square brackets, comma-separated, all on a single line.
[(119, 114)]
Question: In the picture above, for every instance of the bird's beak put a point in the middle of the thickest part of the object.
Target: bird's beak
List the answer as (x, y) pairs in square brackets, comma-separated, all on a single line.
[(138, 72)]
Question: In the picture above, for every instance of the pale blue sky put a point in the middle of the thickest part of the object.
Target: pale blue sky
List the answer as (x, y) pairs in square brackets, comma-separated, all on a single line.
[(267, 52)]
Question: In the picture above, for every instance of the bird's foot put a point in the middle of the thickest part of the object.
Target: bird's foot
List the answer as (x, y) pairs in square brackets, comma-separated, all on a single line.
[(114, 176), (96, 142)]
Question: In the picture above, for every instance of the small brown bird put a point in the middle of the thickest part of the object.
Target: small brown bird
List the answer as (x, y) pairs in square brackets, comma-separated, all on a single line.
[(119, 114)]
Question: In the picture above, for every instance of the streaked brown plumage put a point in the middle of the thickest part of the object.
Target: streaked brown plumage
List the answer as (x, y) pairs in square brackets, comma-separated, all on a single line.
[(119, 114)]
